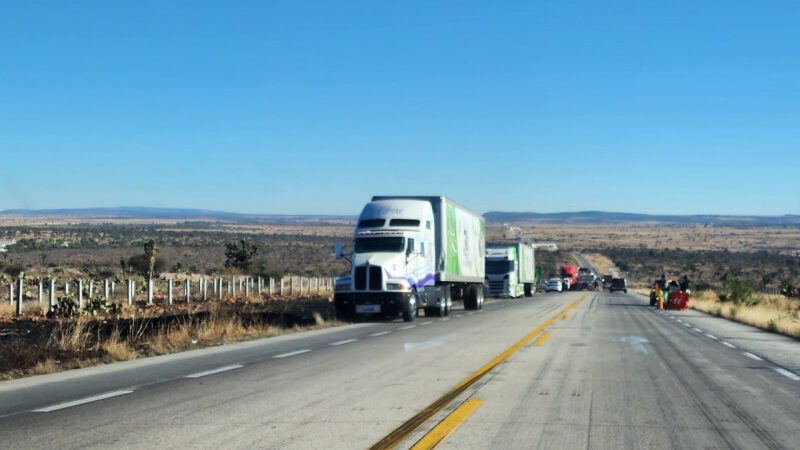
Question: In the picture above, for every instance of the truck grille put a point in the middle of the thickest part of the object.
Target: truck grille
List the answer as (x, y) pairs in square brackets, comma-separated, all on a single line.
[(497, 286), (361, 278), (375, 278)]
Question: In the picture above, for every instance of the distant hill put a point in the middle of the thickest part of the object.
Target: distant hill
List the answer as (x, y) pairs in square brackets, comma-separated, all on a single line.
[(492, 217), (604, 218)]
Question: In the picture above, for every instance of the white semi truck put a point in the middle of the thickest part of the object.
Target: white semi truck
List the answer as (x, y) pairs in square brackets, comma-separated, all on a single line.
[(411, 253), (510, 270)]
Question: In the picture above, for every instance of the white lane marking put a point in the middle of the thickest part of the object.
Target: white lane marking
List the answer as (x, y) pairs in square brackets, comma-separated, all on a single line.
[(444, 320), (697, 329), (82, 401), (408, 327), (752, 356), (298, 352), (687, 325), (728, 344), (346, 341), (425, 323), (458, 316), (680, 321), (380, 333), (471, 313), (711, 336), (215, 371), (786, 373), (480, 311)]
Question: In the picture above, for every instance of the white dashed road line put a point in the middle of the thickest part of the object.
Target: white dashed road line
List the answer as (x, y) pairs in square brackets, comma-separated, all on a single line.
[(346, 341), (380, 333), (82, 401), (687, 325), (711, 336), (697, 329), (425, 323), (408, 327), (215, 371), (728, 344), (786, 373), (458, 316), (298, 352), (752, 356)]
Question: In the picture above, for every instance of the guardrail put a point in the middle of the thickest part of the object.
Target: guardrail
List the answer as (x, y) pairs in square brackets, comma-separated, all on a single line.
[(189, 288)]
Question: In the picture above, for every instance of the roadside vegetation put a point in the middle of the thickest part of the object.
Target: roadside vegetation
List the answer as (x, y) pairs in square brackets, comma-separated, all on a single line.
[(34, 345), (775, 313)]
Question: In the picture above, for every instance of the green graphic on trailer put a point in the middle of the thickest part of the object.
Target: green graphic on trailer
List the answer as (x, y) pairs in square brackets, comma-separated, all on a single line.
[(451, 263)]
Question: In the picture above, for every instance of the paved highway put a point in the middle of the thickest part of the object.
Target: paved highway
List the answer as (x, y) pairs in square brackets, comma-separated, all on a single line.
[(572, 370)]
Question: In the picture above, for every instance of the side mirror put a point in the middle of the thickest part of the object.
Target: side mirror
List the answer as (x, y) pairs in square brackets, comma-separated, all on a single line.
[(339, 250)]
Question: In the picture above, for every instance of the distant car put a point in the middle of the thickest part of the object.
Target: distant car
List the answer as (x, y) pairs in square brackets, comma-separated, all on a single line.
[(553, 284), (618, 284)]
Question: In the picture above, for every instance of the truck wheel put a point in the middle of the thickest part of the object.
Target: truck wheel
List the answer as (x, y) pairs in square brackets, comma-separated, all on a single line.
[(448, 300), (479, 296), (528, 291), (470, 299), (410, 314)]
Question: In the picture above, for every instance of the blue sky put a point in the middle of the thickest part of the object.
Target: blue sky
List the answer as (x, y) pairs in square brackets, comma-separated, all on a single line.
[(677, 107)]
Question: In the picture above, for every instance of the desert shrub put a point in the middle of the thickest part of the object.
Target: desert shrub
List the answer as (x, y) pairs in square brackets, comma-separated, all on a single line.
[(739, 290), (65, 307)]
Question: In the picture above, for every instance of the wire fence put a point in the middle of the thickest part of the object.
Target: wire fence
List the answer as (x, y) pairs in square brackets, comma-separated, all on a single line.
[(168, 291)]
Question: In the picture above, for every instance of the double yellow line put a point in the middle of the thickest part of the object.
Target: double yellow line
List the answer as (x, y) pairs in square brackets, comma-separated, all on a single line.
[(404, 430)]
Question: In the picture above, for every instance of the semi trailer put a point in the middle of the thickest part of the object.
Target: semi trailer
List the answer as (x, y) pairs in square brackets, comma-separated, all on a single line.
[(412, 253), (510, 270)]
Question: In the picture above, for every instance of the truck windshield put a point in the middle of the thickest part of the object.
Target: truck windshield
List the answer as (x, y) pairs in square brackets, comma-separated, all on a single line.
[(499, 266), (379, 244)]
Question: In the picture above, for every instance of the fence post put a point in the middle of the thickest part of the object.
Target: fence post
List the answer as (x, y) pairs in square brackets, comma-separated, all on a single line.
[(106, 291), (91, 288), (188, 290), (11, 293), (41, 291), (149, 290), (271, 286), (169, 291), (66, 287), (113, 287), (246, 287), (20, 293), (204, 282), (80, 293), (52, 293), (130, 292)]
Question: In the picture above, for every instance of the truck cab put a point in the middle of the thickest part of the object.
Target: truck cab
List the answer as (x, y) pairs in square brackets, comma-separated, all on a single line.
[(501, 272)]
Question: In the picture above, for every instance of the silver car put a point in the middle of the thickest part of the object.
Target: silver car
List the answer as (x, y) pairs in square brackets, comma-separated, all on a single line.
[(553, 284)]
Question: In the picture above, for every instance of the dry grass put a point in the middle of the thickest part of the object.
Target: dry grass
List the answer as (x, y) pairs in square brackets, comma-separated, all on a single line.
[(774, 313), (118, 349), (72, 337)]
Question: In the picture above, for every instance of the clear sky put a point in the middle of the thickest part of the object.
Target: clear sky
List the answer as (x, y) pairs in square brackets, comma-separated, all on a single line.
[(677, 107)]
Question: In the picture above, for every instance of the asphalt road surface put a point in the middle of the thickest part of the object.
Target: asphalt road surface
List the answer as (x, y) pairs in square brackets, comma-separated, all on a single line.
[(571, 370)]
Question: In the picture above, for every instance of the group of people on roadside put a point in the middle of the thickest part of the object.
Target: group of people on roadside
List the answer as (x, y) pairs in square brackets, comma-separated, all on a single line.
[(669, 293)]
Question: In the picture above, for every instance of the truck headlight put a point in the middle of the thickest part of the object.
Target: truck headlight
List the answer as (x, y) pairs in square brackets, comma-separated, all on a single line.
[(395, 287)]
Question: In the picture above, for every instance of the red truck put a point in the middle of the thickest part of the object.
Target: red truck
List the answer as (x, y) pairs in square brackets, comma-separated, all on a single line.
[(569, 276)]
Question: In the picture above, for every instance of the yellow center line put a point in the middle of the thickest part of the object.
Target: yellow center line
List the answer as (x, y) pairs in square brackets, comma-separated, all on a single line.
[(446, 426), (404, 430), (542, 339)]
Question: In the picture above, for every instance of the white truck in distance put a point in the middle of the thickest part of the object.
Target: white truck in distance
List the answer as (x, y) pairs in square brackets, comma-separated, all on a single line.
[(510, 270), (412, 253)]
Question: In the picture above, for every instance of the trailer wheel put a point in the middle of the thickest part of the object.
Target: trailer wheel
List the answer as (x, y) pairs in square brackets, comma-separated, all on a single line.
[(479, 295), (528, 290), (448, 300)]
